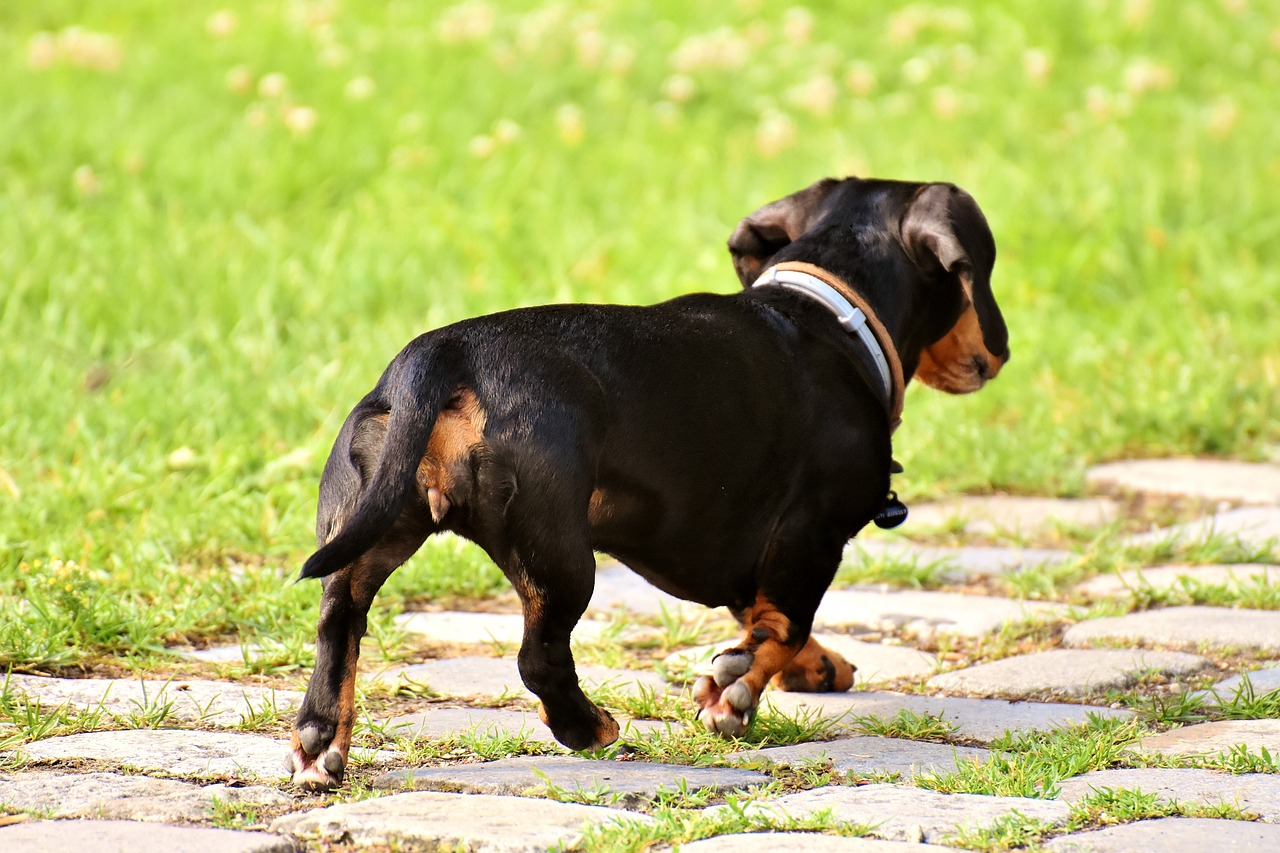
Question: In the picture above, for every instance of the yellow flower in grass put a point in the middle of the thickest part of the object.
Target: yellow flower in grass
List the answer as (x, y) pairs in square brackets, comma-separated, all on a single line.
[(570, 124), (300, 119), (221, 23), (775, 133)]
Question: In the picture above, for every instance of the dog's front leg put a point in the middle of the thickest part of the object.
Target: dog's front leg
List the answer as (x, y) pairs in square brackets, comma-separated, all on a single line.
[(776, 643), (729, 696)]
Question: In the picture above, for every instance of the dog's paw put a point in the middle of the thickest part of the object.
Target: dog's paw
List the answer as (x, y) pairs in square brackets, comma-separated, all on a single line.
[(727, 702), (313, 764)]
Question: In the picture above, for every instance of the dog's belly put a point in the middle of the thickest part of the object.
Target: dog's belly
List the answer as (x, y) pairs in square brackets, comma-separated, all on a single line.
[(712, 585)]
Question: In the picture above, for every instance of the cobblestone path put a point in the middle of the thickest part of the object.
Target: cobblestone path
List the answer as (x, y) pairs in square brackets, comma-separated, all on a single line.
[(1092, 674)]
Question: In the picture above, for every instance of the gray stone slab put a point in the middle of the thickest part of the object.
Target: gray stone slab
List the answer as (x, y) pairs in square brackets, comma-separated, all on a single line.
[(1215, 627), (1173, 835), (216, 703), (443, 722), (101, 836), (531, 775), (956, 565), (924, 613), (865, 755), (1000, 515), (980, 720), (242, 654), (1207, 479), (1174, 577), (427, 820), (1257, 526), (619, 588), (909, 814), (1257, 793), (789, 842), (874, 662), (120, 797), (500, 678), (1262, 681), (502, 629), (1067, 672), (178, 752), (1209, 739)]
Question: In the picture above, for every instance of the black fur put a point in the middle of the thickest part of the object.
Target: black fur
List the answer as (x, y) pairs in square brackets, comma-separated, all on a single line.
[(735, 442)]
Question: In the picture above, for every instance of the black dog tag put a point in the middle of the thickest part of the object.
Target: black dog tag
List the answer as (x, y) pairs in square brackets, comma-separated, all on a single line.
[(893, 514)]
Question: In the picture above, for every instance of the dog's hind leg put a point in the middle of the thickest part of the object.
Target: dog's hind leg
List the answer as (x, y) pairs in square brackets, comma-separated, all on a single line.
[(539, 537), (321, 738)]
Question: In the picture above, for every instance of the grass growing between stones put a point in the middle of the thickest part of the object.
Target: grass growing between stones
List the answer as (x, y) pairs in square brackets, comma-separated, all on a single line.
[(670, 825), (907, 725), (1100, 809), (1031, 764)]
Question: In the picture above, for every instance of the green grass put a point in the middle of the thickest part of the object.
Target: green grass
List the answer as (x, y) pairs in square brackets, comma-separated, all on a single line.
[(210, 245)]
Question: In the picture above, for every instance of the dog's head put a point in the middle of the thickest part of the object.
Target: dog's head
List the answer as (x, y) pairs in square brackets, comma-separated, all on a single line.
[(921, 253)]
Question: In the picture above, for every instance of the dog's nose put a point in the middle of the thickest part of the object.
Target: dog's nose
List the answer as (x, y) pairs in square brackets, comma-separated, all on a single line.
[(981, 366)]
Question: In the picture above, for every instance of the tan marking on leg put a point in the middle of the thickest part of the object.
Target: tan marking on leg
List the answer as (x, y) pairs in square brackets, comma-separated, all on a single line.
[(766, 635), (815, 669)]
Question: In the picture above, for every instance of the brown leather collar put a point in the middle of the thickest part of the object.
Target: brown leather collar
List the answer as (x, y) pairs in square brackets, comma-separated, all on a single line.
[(897, 384)]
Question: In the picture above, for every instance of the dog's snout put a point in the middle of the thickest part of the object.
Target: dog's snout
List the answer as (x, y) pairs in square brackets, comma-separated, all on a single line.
[(981, 366)]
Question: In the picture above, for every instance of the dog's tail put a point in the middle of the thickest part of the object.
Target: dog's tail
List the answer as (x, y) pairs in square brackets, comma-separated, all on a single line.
[(414, 388)]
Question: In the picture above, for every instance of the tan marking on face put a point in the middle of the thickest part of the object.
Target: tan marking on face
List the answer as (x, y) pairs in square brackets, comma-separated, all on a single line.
[(459, 429), (959, 363)]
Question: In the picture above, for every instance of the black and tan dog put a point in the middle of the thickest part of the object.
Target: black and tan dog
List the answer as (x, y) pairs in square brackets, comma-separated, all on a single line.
[(725, 447)]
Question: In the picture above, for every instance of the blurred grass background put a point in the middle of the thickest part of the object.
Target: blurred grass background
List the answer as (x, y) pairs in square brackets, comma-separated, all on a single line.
[(219, 220)]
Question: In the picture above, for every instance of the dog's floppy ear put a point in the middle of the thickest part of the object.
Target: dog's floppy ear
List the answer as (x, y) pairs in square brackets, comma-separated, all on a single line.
[(759, 237), (944, 228)]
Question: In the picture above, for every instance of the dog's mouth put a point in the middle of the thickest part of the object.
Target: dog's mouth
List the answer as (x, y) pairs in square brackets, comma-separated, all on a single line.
[(942, 369)]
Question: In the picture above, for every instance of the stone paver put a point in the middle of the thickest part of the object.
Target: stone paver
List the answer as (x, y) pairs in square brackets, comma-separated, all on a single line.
[(617, 587), (503, 629), (427, 820), (956, 565), (83, 836), (1174, 577), (1262, 681), (864, 755), (1258, 793), (1209, 739), (874, 661), (981, 720), (112, 795), (500, 678), (1173, 835), (909, 814), (443, 722), (1254, 526), (176, 752), (1208, 479), (1069, 672), (215, 703), (1218, 627), (925, 613), (789, 842), (532, 775), (996, 515)]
